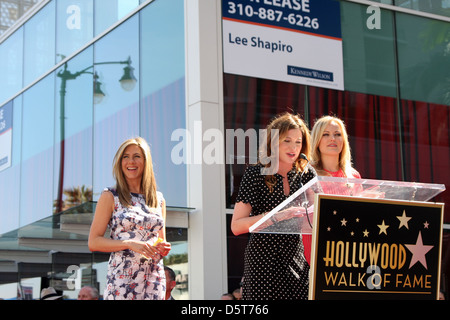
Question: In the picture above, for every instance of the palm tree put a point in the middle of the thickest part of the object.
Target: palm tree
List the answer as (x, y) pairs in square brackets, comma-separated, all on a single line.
[(75, 196)]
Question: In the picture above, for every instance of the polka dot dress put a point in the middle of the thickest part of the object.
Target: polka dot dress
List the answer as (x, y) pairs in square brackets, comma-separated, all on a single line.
[(275, 267)]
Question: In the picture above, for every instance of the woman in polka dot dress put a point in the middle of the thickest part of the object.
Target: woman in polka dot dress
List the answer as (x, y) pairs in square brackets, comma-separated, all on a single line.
[(274, 264)]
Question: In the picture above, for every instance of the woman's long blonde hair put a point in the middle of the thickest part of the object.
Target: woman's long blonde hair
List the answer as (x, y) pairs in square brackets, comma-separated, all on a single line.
[(345, 158), (283, 123), (148, 182)]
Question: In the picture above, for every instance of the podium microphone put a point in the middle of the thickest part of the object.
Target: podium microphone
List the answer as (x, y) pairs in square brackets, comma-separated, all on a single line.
[(306, 202), (304, 157)]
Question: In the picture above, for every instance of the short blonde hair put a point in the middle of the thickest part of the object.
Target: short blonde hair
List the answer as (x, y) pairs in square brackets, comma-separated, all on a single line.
[(345, 158), (148, 182)]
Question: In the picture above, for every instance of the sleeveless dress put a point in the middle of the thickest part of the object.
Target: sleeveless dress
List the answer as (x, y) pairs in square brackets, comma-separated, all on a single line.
[(275, 267), (130, 275)]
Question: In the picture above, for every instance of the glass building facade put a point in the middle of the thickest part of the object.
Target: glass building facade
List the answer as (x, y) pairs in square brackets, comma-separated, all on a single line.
[(84, 75), (64, 133), (395, 104), (12, 10)]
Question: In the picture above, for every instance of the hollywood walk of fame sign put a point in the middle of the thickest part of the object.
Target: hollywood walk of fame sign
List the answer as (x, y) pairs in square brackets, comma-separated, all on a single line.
[(375, 248)]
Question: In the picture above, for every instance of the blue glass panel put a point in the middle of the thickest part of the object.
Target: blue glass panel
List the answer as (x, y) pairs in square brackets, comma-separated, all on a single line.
[(108, 12), (74, 26), (36, 190), (73, 131), (441, 7), (39, 48), (423, 59), (369, 56), (11, 64), (163, 93), (116, 116)]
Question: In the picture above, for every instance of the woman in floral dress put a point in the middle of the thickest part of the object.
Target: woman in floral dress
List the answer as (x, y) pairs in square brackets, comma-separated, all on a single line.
[(135, 213)]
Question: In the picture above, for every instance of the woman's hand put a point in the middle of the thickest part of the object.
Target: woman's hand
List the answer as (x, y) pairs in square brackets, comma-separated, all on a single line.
[(163, 248), (159, 248), (289, 213), (143, 248)]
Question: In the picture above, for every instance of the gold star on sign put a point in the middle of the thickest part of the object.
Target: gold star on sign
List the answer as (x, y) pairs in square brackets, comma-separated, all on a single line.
[(403, 220), (383, 228)]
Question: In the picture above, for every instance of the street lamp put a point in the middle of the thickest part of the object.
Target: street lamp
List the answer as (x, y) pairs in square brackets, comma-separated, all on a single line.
[(127, 82), (98, 93)]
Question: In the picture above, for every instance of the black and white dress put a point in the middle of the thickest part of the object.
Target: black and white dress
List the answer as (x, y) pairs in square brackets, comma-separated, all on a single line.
[(275, 267)]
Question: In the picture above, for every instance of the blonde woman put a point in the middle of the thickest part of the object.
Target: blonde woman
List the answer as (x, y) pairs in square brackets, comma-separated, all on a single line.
[(331, 155), (274, 264), (135, 212)]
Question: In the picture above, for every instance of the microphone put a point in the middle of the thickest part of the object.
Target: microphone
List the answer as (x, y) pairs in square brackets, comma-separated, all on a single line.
[(306, 202), (304, 157)]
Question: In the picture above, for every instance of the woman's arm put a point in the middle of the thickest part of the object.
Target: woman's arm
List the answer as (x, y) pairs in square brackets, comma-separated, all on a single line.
[(241, 220), (163, 247), (162, 232), (98, 242)]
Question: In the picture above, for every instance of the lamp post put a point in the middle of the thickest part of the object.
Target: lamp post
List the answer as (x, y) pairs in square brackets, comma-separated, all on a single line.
[(127, 82)]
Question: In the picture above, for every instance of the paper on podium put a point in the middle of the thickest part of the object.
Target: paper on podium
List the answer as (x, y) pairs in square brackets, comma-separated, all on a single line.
[(295, 215)]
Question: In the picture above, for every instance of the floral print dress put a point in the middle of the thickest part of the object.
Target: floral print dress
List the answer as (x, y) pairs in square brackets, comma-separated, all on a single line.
[(130, 275)]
